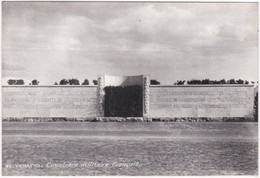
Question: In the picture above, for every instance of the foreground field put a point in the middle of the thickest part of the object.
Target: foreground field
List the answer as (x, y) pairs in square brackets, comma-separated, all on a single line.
[(172, 148)]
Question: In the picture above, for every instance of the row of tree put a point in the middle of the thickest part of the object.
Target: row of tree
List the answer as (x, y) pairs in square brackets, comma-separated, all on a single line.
[(205, 82), (74, 82), (208, 81), (152, 82), (62, 82), (15, 82)]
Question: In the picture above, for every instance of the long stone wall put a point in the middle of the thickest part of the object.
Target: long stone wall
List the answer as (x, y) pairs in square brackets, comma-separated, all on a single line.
[(159, 101), (50, 101), (201, 101)]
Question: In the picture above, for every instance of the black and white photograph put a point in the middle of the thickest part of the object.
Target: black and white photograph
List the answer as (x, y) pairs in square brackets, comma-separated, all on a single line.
[(129, 88)]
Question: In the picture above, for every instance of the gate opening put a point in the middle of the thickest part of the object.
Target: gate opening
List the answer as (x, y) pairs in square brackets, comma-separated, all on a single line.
[(123, 101)]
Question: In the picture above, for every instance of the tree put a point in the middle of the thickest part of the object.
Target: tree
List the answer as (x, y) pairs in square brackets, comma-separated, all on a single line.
[(179, 82), (55, 83), (64, 82), (95, 82), (223, 81), (232, 81), (246, 82), (194, 82), (240, 81), (86, 82), (216, 82), (20, 82), (11, 82), (154, 82), (35, 82), (73, 82), (205, 81), (15, 82)]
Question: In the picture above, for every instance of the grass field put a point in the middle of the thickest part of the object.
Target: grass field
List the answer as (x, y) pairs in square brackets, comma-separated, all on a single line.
[(74, 148)]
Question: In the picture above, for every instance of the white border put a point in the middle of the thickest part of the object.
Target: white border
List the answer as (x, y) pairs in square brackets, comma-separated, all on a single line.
[(169, 1)]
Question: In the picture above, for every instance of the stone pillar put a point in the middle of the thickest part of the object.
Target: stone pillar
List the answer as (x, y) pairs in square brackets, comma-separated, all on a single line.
[(101, 95), (146, 96)]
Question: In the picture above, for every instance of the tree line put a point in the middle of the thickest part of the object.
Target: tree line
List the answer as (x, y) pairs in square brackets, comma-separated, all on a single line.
[(152, 82), (204, 82), (208, 81), (62, 82)]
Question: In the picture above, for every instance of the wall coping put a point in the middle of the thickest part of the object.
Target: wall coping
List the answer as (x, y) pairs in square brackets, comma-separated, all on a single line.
[(50, 86), (209, 85)]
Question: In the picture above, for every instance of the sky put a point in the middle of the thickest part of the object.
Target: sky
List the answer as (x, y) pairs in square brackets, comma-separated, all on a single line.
[(49, 41)]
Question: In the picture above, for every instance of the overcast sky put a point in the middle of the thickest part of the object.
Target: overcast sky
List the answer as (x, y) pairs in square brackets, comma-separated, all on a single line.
[(50, 41)]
